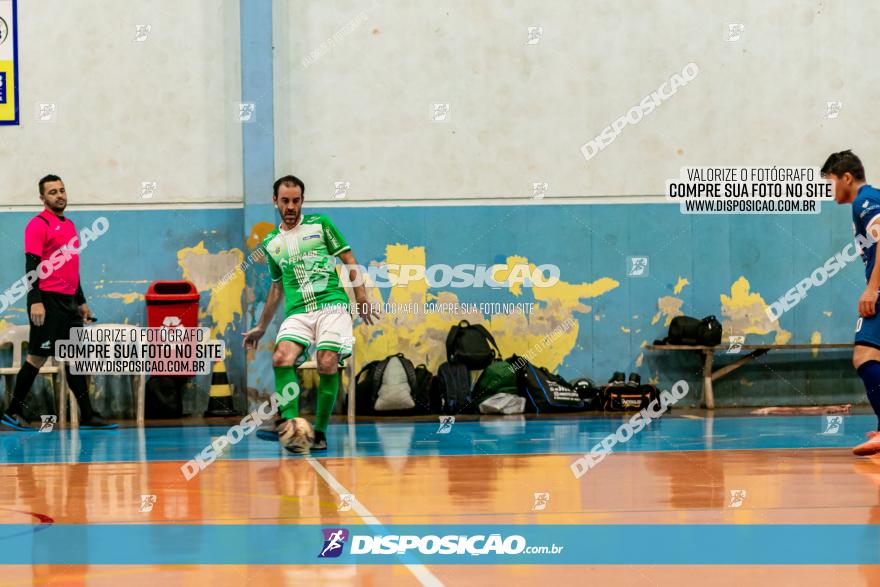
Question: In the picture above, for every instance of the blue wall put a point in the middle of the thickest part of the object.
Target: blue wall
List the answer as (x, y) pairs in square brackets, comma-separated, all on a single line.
[(592, 241), (587, 242)]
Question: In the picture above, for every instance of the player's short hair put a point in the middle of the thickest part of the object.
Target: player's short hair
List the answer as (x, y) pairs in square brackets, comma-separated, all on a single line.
[(289, 181), (844, 162), (46, 180)]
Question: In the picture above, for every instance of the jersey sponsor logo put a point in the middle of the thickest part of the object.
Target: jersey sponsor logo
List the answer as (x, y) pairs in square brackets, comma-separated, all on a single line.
[(311, 236), (867, 209), (332, 238)]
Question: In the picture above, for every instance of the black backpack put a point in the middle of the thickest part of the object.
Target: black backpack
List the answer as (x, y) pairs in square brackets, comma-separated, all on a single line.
[(369, 380), (363, 388), (690, 331), (451, 390), (545, 391), (422, 390), (468, 344)]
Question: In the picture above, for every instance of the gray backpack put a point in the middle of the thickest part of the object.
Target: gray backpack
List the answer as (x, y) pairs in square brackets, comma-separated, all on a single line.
[(396, 387)]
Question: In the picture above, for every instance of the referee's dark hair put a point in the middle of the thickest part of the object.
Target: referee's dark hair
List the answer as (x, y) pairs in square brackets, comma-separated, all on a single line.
[(844, 162), (289, 180), (46, 180)]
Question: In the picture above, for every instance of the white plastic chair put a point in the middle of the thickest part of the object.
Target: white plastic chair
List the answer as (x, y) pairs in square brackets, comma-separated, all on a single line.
[(349, 371)]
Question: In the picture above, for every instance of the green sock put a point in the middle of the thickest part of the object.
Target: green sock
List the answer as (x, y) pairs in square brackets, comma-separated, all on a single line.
[(285, 376), (328, 388)]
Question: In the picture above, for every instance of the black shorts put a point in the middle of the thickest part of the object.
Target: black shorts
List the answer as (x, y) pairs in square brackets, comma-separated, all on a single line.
[(62, 314)]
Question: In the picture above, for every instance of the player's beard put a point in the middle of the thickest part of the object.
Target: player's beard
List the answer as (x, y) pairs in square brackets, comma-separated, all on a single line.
[(291, 220), (58, 206)]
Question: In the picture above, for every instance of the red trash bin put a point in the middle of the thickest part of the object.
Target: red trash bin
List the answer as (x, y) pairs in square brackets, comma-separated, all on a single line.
[(172, 304)]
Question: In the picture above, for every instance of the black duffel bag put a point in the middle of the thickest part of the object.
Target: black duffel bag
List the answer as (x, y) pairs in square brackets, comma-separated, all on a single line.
[(544, 390), (691, 331)]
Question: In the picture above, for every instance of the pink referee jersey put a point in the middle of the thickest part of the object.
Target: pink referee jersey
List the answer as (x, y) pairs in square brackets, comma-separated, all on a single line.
[(45, 234)]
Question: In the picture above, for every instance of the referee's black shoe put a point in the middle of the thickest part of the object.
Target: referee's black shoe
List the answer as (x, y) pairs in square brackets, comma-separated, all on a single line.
[(96, 422)]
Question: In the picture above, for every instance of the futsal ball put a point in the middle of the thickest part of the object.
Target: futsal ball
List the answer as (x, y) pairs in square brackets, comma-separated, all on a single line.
[(296, 436)]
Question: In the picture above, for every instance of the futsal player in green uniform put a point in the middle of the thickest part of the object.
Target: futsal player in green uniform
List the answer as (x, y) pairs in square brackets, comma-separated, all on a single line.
[(301, 253)]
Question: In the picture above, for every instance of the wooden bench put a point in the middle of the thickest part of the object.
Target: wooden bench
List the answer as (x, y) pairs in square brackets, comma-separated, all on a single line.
[(757, 350)]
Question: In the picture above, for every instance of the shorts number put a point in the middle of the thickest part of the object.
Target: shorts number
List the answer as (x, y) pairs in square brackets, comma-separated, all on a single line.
[(859, 325)]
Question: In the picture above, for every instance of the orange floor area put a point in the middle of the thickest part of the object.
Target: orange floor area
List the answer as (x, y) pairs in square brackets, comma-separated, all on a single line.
[(808, 486)]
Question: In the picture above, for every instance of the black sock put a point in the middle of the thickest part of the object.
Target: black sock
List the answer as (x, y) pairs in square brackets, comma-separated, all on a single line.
[(869, 371), (320, 436), (80, 390), (23, 383)]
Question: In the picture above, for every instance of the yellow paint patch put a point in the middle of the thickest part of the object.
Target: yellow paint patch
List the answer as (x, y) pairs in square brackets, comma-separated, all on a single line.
[(640, 359), (127, 298), (218, 275), (747, 313), (568, 294), (679, 285), (625, 329), (827, 313), (815, 338), (670, 307), (549, 333)]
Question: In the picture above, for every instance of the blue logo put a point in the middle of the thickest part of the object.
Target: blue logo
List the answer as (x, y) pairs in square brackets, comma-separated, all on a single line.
[(2, 87), (334, 539), (312, 236)]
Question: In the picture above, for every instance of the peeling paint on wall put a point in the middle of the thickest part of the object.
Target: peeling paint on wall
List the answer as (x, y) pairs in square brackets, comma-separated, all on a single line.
[(218, 275), (747, 313), (422, 337)]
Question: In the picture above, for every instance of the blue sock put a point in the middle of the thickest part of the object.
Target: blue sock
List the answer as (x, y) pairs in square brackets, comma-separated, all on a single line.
[(869, 371)]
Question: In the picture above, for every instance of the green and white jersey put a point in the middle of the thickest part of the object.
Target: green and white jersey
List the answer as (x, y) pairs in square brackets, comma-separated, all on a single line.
[(304, 260)]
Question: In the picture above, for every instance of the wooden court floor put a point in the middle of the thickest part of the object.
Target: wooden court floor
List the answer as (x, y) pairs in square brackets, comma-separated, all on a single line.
[(784, 470)]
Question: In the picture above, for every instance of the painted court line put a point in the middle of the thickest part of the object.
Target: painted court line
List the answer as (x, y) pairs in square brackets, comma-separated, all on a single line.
[(421, 572)]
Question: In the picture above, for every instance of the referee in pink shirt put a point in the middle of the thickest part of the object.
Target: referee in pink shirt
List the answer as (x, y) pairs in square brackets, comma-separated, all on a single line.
[(55, 304)]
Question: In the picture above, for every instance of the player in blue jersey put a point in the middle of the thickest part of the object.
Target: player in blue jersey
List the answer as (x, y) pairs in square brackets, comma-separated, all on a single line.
[(846, 172)]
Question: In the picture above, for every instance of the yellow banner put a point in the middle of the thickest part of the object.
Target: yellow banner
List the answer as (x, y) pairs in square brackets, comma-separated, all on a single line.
[(8, 63)]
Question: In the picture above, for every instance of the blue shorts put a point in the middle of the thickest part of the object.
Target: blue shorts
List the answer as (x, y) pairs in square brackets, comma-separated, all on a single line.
[(868, 331)]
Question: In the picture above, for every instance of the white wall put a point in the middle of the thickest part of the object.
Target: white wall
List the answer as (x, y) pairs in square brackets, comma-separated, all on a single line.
[(160, 110), (519, 113)]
